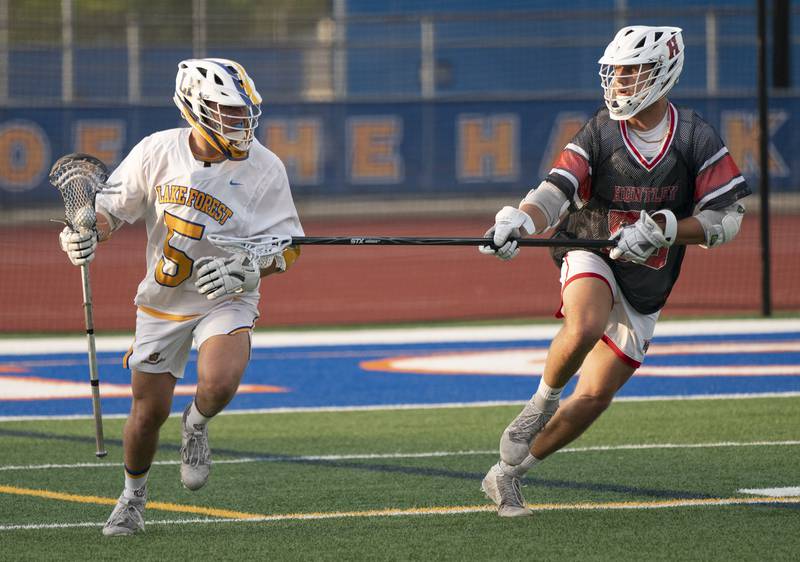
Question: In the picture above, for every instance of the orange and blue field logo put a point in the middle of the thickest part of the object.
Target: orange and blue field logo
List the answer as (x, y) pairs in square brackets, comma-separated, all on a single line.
[(393, 367)]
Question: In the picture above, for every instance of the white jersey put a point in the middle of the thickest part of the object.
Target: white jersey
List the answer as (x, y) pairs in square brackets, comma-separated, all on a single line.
[(182, 201)]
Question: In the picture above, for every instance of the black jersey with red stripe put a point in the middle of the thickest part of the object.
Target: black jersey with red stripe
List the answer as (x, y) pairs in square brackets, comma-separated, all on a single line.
[(608, 182)]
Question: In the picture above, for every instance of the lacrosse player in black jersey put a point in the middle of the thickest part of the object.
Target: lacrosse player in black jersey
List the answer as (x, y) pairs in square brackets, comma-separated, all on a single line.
[(651, 176)]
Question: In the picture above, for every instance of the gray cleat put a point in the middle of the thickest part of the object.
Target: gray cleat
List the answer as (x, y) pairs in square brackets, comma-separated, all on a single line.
[(515, 444), (127, 517), (195, 454), (504, 490)]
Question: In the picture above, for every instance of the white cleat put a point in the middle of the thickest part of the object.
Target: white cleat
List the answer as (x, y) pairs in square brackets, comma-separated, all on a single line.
[(515, 443), (195, 454), (127, 517), (504, 490)]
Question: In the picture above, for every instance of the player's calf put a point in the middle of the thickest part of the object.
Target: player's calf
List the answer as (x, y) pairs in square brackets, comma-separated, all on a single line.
[(516, 441)]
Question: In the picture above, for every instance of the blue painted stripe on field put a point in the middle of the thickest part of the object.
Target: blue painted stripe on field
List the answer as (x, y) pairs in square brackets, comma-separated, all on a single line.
[(331, 376)]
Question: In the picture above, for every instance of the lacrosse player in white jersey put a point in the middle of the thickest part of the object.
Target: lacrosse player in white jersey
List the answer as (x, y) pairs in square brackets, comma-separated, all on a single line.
[(188, 183)]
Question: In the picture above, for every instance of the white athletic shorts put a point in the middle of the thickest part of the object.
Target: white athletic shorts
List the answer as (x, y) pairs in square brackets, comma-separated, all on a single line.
[(628, 332), (162, 341)]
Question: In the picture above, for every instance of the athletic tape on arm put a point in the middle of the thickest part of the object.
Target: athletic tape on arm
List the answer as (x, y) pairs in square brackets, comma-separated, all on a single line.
[(550, 200)]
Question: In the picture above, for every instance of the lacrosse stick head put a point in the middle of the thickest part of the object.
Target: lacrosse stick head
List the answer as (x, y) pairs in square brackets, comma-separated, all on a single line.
[(260, 250), (79, 177)]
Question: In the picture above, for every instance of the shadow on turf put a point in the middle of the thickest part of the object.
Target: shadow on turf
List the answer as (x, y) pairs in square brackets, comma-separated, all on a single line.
[(387, 468)]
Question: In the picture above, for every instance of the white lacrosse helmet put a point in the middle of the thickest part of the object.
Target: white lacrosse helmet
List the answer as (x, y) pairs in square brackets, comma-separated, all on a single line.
[(209, 92), (639, 46)]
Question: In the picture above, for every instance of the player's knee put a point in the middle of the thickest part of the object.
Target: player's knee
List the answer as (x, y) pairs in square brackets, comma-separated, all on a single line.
[(221, 385), (596, 403), (149, 417), (585, 334)]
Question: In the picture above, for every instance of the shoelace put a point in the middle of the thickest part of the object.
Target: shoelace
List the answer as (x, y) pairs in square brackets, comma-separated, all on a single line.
[(127, 513), (510, 489), (196, 451)]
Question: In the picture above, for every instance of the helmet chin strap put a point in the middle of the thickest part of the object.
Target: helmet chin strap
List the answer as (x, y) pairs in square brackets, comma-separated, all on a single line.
[(202, 149)]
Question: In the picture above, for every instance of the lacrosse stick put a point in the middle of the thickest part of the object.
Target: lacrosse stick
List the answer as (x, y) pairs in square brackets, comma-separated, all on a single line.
[(417, 241), (260, 248), (79, 177)]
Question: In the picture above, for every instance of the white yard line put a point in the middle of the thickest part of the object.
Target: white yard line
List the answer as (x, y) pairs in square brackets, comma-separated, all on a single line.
[(439, 334), (438, 510), (431, 454), (389, 407), (792, 491)]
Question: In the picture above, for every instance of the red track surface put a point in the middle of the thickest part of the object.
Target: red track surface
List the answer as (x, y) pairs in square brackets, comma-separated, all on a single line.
[(41, 291)]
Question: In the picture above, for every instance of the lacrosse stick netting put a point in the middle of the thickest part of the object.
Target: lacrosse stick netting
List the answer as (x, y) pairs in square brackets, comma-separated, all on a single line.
[(261, 250), (79, 177)]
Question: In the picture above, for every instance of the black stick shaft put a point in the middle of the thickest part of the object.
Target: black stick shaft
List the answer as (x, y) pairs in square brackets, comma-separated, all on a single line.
[(418, 241)]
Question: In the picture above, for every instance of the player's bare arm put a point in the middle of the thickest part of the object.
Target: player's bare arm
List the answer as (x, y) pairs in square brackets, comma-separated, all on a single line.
[(689, 232), (709, 228), (104, 227)]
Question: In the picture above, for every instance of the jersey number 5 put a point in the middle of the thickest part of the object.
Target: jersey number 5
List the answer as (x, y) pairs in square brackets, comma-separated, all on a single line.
[(174, 260)]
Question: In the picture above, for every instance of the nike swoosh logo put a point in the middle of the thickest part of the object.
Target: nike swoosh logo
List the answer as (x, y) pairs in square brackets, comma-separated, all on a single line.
[(236, 183)]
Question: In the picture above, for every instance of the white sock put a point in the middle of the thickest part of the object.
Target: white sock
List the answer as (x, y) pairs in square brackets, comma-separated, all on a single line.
[(520, 469), (195, 417), (135, 484), (547, 392)]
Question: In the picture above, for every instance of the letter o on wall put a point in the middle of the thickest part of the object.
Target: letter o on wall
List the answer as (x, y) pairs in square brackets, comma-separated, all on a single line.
[(24, 155)]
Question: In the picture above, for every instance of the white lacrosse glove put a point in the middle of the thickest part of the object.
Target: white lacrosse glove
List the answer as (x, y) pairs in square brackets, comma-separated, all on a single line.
[(226, 276), (638, 241), (510, 224), (78, 244)]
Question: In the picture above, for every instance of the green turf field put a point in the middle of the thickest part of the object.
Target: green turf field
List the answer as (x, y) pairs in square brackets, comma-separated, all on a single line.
[(404, 484)]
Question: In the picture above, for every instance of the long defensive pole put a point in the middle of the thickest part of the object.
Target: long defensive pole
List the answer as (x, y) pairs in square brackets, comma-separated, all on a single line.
[(423, 241)]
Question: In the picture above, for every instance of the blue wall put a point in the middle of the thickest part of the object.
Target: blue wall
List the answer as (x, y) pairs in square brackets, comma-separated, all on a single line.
[(407, 149)]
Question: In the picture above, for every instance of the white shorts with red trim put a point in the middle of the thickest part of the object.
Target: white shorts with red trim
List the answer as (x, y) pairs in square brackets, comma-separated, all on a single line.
[(628, 332), (162, 341)]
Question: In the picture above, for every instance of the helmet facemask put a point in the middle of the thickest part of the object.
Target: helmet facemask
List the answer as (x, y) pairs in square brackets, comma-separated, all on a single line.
[(236, 124), (630, 86), (639, 67)]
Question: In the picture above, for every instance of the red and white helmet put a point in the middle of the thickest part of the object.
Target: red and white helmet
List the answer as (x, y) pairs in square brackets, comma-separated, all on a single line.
[(204, 88), (639, 46)]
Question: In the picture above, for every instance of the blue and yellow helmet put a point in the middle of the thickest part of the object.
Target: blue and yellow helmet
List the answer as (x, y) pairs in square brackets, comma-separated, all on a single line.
[(219, 99)]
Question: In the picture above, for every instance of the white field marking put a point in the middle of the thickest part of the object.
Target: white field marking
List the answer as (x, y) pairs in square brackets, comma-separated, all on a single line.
[(39, 388), (437, 510), (706, 348), (391, 407), (529, 361), (425, 455), (793, 491), (439, 334), (526, 362), (720, 371), (533, 355)]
